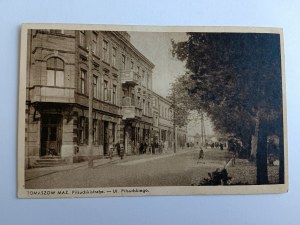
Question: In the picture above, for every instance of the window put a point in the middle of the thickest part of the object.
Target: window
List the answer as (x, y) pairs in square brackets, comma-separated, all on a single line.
[(95, 129), (83, 130), (95, 85), (94, 42), (132, 65), (82, 41), (138, 70), (143, 78), (105, 87), (105, 52), (114, 97), (114, 54), (55, 72), (98, 89), (144, 107), (149, 110), (148, 81), (123, 62), (82, 81), (132, 100), (114, 132), (139, 101)]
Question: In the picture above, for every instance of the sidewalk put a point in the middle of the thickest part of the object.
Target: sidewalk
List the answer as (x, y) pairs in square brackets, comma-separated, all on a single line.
[(33, 173)]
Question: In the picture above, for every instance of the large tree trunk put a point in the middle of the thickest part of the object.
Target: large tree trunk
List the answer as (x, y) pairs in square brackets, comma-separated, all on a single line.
[(254, 138), (262, 155)]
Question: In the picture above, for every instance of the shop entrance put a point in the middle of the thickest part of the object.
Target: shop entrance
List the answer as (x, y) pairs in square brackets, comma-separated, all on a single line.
[(106, 138), (51, 135)]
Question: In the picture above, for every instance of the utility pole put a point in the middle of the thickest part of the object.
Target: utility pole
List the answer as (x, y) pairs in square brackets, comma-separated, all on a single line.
[(91, 96), (174, 124)]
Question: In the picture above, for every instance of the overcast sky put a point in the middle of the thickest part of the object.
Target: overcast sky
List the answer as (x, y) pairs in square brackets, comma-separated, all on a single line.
[(156, 46)]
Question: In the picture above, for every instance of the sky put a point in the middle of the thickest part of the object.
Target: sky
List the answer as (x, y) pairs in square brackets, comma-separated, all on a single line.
[(156, 46)]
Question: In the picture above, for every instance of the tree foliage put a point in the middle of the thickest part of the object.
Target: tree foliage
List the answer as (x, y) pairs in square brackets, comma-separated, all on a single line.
[(233, 77)]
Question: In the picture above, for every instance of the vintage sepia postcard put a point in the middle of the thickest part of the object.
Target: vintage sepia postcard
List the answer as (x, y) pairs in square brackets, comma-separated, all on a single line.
[(108, 110)]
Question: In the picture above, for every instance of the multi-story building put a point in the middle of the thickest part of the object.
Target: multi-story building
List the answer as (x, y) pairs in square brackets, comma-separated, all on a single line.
[(63, 65), (165, 123), (136, 78)]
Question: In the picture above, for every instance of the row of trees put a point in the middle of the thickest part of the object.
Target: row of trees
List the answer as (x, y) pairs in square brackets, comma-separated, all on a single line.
[(235, 78)]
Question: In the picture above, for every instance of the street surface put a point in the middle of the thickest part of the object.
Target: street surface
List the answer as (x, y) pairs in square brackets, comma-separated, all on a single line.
[(168, 169), (180, 169)]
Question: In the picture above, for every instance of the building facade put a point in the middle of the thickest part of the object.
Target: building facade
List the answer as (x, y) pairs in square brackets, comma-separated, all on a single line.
[(62, 66), (137, 116), (69, 72), (164, 123)]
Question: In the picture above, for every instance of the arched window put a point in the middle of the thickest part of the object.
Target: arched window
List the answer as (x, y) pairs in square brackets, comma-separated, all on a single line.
[(55, 72)]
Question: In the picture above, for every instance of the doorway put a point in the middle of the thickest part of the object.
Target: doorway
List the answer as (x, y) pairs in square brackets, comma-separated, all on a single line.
[(106, 138), (51, 135)]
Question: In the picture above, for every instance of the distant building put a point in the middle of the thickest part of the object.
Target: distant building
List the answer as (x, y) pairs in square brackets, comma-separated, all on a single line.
[(164, 128), (181, 133), (191, 139), (197, 139)]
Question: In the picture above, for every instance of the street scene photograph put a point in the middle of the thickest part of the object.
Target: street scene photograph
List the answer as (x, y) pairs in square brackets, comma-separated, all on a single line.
[(130, 108)]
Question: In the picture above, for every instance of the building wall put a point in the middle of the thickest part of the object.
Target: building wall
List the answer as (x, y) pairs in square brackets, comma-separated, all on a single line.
[(105, 63), (165, 120)]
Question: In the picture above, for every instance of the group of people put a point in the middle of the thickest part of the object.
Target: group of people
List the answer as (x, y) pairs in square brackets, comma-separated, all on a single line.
[(143, 148), (119, 148), (153, 147)]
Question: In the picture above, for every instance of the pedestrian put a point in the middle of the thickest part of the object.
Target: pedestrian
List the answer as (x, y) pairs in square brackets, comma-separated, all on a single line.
[(117, 146), (160, 147), (122, 151), (153, 147), (111, 151), (141, 148), (156, 146), (201, 155), (145, 147)]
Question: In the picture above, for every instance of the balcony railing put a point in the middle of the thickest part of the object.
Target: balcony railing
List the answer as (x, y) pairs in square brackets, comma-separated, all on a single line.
[(130, 77), (127, 101), (52, 94), (131, 109), (131, 112)]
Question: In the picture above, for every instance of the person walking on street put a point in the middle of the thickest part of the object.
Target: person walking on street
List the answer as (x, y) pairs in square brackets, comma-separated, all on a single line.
[(201, 155), (111, 151), (122, 151), (117, 146)]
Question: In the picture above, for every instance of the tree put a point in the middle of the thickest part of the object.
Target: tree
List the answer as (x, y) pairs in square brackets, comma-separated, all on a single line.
[(182, 103), (236, 78)]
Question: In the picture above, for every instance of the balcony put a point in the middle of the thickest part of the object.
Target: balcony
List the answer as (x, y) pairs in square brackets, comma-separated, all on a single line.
[(129, 78), (131, 109), (52, 94)]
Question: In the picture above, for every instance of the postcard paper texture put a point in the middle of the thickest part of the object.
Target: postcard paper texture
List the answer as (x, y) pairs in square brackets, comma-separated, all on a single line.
[(107, 110)]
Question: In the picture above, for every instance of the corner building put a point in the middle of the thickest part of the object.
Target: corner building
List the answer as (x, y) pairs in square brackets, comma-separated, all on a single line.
[(62, 66)]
